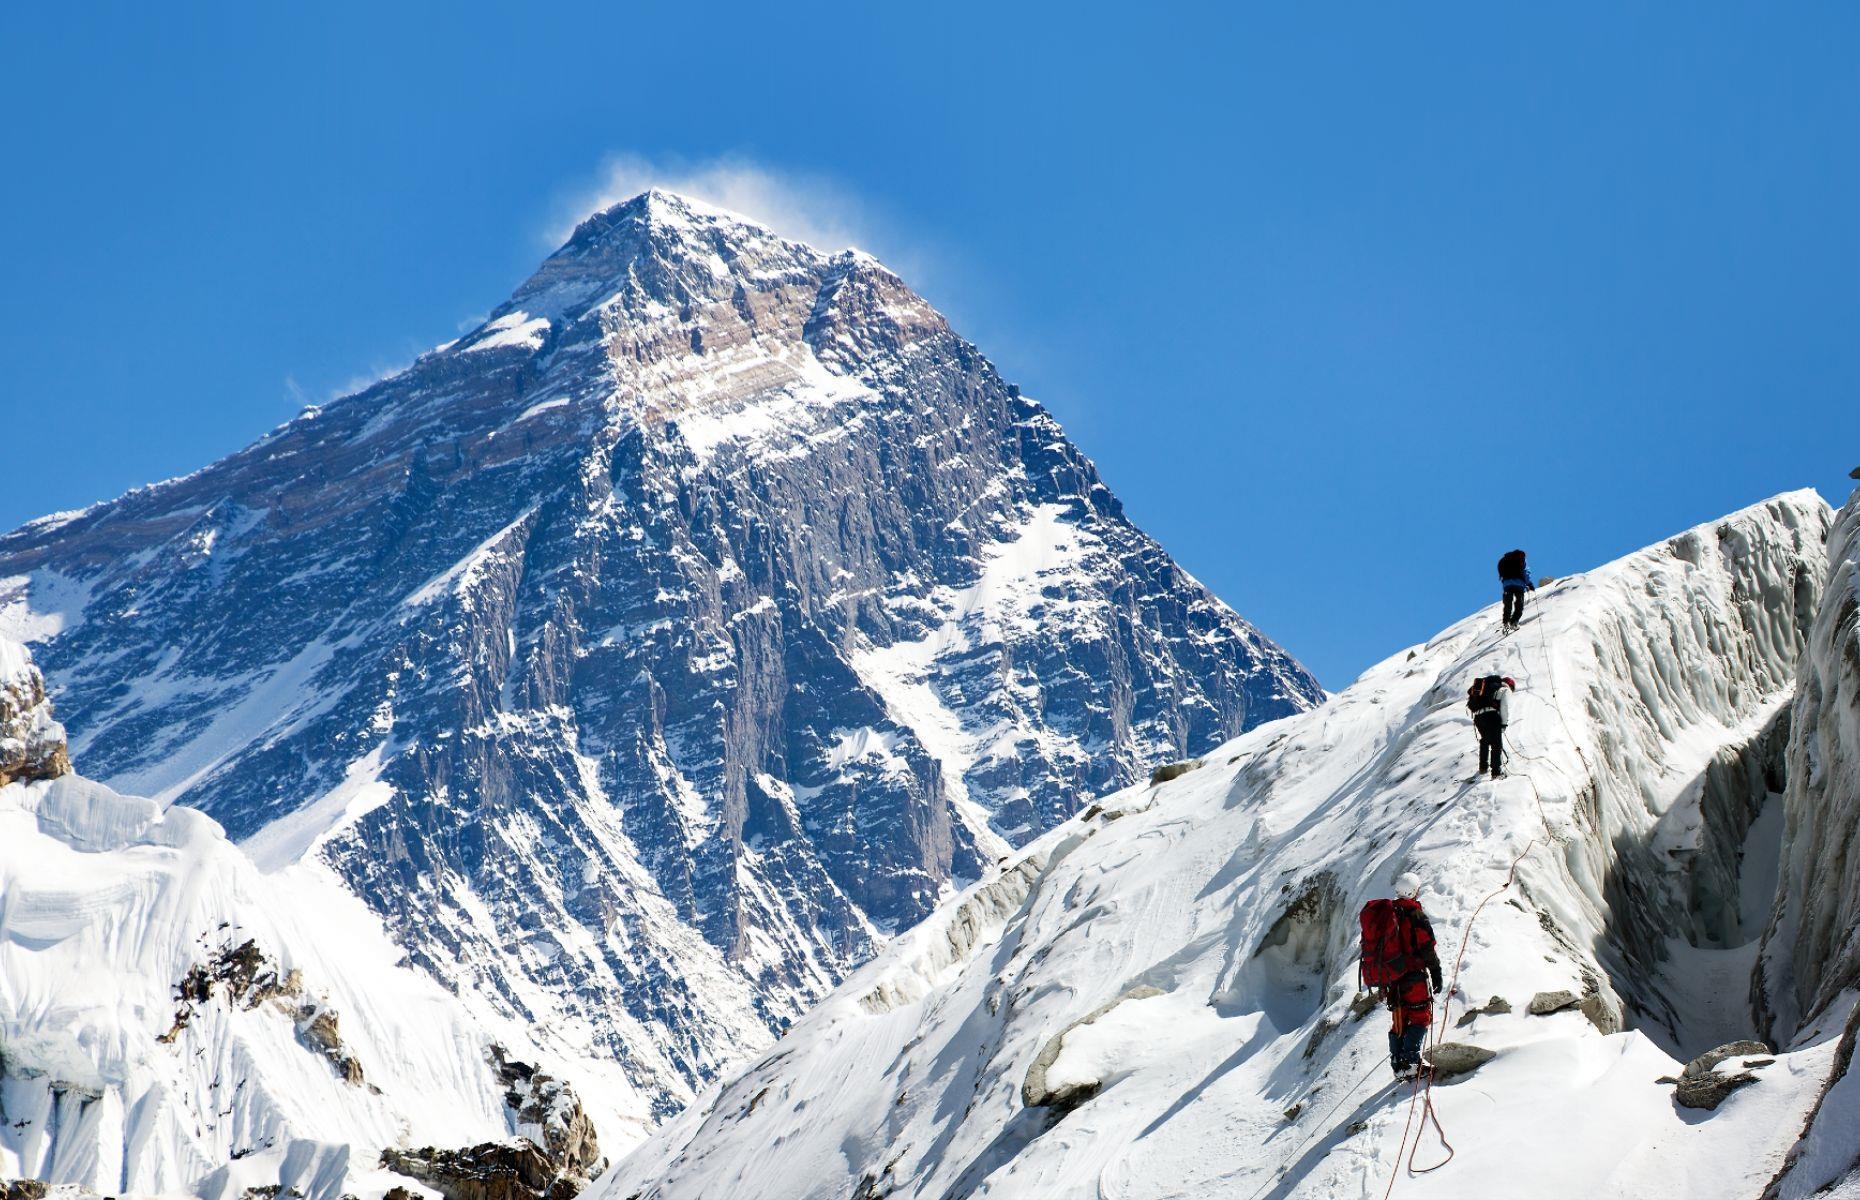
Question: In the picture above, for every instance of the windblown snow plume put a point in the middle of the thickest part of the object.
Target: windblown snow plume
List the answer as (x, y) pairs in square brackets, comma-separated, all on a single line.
[(1158, 998)]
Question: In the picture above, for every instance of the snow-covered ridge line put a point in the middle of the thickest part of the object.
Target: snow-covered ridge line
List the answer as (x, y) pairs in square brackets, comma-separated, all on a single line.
[(1223, 913)]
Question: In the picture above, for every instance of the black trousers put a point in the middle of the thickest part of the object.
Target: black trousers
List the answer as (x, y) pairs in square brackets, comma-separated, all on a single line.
[(1491, 742), (1405, 1047), (1514, 605)]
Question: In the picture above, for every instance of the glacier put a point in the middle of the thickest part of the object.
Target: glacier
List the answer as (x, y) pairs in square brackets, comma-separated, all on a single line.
[(1158, 999)]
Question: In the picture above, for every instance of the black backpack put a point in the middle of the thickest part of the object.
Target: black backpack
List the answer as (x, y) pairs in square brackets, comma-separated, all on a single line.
[(1511, 566), (1483, 695)]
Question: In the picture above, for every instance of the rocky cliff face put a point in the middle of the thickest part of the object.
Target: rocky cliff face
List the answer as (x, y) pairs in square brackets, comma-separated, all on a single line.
[(32, 744), (648, 656)]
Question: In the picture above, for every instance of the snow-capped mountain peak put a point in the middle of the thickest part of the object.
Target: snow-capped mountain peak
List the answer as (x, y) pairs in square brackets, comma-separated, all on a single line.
[(651, 654)]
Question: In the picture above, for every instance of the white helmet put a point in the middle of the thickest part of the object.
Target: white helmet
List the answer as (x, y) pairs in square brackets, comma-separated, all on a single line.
[(1408, 885)]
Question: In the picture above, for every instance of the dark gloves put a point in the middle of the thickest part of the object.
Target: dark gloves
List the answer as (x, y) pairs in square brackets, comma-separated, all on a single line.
[(1434, 970)]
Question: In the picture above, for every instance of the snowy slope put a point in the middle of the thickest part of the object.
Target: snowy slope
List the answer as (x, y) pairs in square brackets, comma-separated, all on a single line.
[(650, 655), (172, 1020), (1205, 927)]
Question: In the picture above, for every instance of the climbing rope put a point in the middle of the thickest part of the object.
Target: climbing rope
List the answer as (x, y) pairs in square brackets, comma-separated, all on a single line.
[(1422, 1095)]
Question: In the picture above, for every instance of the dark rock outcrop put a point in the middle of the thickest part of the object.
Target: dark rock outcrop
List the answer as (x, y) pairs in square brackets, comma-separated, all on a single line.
[(514, 1170), (32, 744), (1456, 1058), (245, 976), (1703, 1085)]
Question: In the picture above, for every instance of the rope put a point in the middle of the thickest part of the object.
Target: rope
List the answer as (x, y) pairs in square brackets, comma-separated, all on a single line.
[(1393, 1174), (1424, 1092)]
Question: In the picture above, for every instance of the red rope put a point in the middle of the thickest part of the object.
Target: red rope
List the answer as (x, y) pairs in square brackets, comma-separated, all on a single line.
[(1425, 1092), (1412, 1094)]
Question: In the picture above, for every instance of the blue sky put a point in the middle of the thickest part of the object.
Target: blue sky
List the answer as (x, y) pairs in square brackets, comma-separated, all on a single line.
[(1344, 301)]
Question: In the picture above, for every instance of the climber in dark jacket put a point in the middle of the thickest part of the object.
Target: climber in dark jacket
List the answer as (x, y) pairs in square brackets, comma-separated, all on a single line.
[(1489, 701), (1410, 1000), (1515, 579)]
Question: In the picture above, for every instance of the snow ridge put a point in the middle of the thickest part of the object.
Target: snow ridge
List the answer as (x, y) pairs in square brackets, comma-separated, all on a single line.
[(1204, 928)]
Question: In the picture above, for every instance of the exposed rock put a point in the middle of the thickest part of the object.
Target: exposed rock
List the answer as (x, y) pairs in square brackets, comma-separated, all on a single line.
[(1708, 1091), (550, 1114), (1545, 1003), (1456, 1058), (1707, 1062), (246, 977), (1496, 1006), (513, 1170), (32, 744), (553, 1158), (317, 1029), (1601, 1013), (1702, 1085), (23, 1189), (1174, 770)]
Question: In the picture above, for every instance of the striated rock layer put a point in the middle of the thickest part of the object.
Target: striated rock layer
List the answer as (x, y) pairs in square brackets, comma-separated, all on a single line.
[(650, 655)]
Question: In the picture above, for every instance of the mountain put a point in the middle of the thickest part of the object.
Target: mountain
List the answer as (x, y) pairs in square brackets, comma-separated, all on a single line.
[(174, 1022), (1159, 997), (651, 655)]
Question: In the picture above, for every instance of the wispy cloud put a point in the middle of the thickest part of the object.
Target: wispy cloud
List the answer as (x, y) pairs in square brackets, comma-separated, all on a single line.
[(796, 204)]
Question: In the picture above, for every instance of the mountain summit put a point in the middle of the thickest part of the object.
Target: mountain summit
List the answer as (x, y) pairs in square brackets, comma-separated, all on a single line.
[(649, 656)]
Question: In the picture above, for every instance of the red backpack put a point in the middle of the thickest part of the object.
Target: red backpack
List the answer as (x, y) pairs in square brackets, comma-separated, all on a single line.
[(1388, 944)]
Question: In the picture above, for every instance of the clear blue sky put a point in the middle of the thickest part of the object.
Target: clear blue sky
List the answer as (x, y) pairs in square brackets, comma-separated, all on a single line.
[(1344, 302)]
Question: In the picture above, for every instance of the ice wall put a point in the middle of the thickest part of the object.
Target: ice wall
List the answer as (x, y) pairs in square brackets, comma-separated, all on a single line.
[(1811, 953)]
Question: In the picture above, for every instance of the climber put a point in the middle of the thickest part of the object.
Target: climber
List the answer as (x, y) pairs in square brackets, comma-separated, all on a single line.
[(1489, 701), (1399, 961), (1514, 578)]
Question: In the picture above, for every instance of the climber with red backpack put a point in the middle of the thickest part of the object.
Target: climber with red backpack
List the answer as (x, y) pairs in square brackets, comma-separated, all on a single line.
[(1399, 961), (1489, 701)]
